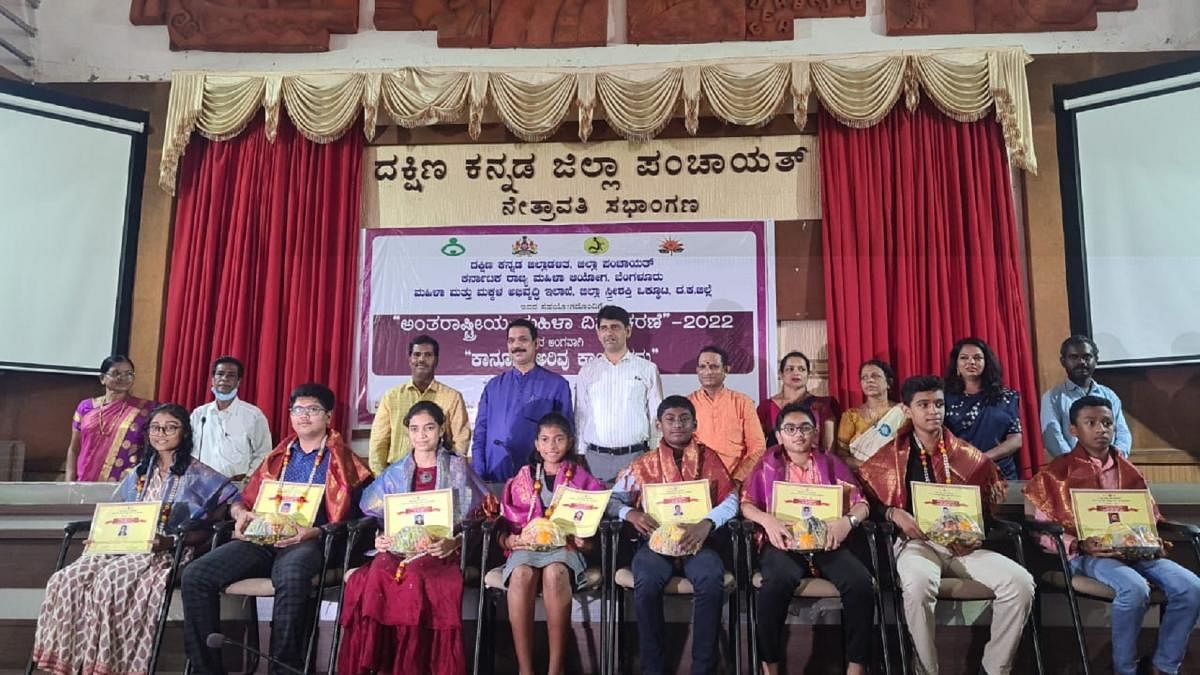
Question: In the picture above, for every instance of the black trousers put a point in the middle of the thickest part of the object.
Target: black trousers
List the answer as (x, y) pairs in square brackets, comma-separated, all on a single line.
[(291, 571), (784, 570)]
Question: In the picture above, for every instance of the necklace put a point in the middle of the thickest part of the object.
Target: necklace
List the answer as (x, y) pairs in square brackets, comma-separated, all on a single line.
[(929, 478), (303, 499), (547, 511), (168, 502)]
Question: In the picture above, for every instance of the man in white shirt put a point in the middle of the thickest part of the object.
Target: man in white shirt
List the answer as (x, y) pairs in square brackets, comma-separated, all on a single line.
[(231, 435), (616, 399)]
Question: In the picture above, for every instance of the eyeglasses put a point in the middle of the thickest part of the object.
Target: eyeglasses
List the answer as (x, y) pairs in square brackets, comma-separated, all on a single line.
[(120, 374), (871, 377), (306, 410), (165, 430), (793, 429)]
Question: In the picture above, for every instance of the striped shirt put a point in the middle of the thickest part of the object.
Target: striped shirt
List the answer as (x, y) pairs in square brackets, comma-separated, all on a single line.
[(616, 403)]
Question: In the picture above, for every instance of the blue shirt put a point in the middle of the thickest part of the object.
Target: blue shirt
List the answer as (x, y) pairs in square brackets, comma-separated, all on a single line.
[(1056, 417), (507, 419), (300, 466)]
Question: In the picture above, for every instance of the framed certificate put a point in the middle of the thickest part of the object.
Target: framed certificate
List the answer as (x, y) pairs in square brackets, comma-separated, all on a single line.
[(948, 514), (579, 512), (1120, 519), (296, 500), (431, 509), (793, 502), (127, 527), (687, 502)]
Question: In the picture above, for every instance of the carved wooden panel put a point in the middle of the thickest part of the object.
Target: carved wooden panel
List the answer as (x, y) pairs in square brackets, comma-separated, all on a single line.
[(148, 12), (770, 20), (409, 14), (940, 17), (466, 24), (207, 25), (822, 9), (685, 21), (549, 23)]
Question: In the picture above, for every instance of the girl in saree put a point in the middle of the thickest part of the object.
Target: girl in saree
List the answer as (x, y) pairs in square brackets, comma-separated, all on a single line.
[(559, 572), (799, 460), (107, 431), (405, 615), (98, 616)]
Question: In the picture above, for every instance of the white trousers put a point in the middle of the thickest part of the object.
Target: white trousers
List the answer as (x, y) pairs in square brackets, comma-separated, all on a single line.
[(921, 565)]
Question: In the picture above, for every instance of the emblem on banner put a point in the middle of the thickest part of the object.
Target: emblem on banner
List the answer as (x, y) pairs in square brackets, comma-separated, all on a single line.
[(670, 246), (596, 245), (453, 248), (524, 246)]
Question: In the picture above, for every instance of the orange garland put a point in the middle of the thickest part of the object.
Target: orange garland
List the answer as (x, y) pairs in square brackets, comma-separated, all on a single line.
[(287, 457), (945, 460)]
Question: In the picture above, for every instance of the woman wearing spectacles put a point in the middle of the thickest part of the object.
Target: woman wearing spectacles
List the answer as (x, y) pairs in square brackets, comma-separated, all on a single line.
[(798, 459), (107, 431), (99, 612)]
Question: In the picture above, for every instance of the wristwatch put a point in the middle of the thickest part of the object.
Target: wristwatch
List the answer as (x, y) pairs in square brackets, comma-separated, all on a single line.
[(854, 521)]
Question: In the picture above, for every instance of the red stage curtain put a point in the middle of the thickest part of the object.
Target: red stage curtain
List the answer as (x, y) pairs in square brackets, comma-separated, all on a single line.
[(263, 267), (920, 249)]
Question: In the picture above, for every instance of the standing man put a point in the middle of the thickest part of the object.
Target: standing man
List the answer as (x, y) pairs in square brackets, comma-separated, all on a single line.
[(726, 419), (617, 397), (511, 405), (232, 436), (1078, 356), (389, 437)]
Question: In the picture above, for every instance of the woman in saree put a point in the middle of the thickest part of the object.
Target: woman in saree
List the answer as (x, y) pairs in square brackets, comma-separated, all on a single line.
[(794, 370), (879, 414), (404, 615), (979, 408), (107, 431), (99, 613), (559, 572), (798, 460)]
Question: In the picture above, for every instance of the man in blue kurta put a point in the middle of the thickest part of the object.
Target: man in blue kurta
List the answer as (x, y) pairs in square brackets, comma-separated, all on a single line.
[(511, 405)]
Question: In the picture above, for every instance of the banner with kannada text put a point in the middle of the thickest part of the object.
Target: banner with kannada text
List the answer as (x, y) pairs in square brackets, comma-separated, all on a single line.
[(707, 179), (687, 285)]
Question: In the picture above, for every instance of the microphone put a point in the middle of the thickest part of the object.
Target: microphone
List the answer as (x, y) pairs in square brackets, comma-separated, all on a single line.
[(200, 439), (218, 640)]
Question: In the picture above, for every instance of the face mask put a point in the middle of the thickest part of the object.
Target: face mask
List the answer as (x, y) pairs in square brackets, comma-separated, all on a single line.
[(224, 397)]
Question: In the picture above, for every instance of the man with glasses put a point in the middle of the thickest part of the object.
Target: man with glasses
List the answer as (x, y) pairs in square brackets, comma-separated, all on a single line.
[(314, 455), (232, 436), (725, 419)]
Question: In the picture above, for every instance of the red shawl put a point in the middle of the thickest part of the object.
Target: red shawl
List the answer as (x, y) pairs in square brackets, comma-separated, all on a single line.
[(1050, 490), (699, 461), (346, 472), (884, 473)]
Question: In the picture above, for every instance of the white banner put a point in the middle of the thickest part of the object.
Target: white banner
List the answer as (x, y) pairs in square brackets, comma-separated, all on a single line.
[(688, 285)]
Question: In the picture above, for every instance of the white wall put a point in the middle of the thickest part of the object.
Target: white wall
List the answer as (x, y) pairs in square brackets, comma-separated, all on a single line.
[(87, 40)]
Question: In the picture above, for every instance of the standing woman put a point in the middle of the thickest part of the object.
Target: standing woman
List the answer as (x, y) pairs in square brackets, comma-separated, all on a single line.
[(794, 370), (878, 381), (797, 460), (99, 612), (406, 617), (979, 408), (108, 430), (559, 572)]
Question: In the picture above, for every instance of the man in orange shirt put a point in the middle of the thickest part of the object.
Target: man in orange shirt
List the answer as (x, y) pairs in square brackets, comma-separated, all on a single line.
[(726, 420)]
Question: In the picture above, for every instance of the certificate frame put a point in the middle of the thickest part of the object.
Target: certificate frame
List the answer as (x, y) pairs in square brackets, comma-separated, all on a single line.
[(685, 502)]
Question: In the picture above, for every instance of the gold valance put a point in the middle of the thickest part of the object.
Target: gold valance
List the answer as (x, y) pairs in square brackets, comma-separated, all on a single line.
[(636, 101)]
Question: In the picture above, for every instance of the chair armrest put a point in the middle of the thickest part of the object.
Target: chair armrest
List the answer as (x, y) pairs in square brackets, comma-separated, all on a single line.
[(1185, 531), (1033, 527), (1006, 527), (74, 527), (364, 524), (192, 525)]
